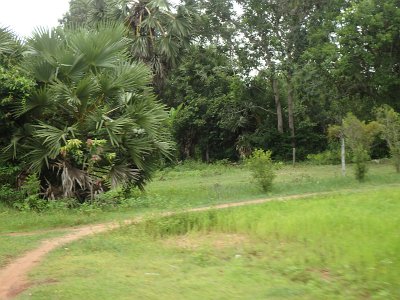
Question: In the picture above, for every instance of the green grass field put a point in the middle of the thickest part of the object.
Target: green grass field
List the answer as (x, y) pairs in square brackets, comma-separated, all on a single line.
[(197, 185), (193, 185), (344, 246), (340, 245)]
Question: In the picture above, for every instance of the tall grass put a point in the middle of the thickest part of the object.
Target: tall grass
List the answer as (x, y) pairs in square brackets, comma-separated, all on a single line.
[(185, 186), (195, 184), (354, 236), (333, 247)]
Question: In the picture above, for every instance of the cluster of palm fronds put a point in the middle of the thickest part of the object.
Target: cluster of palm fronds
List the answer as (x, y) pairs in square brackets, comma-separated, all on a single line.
[(159, 32), (92, 121)]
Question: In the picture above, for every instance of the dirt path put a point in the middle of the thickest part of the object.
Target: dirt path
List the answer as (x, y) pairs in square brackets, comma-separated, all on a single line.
[(13, 277)]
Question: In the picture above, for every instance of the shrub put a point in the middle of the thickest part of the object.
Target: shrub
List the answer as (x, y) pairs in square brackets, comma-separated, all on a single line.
[(8, 174), (31, 186), (360, 159), (390, 124), (262, 168), (359, 137), (9, 195)]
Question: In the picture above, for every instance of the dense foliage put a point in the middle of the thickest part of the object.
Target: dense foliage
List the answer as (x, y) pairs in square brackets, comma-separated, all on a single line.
[(92, 120), (77, 102)]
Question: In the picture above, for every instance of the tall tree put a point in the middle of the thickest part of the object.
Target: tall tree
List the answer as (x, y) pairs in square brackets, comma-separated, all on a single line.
[(159, 34), (276, 33), (368, 39)]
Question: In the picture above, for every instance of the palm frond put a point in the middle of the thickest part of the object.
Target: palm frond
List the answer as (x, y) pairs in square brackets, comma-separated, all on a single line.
[(8, 42), (75, 95), (10, 151), (51, 137), (181, 25), (37, 156), (163, 5), (65, 94), (40, 99), (169, 48), (121, 174), (42, 71), (131, 77), (101, 48), (138, 148), (116, 129), (71, 65), (44, 43), (140, 47)]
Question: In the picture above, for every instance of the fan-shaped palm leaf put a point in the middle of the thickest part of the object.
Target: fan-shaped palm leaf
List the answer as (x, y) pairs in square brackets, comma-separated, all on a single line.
[(130, 77), (51, 137), (102, 48), (121, 173), (37, 102), (8, 42)]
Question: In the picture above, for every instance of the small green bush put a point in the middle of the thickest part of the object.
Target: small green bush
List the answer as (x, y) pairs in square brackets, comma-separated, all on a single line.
[(262, 168), (359, 138), (8, 174), (360, 158), (9, 195), (30, 189), (389, 120), (31, 186)]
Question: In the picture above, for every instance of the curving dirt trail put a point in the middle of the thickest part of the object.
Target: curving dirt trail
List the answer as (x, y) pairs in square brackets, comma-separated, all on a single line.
[(13, 277)]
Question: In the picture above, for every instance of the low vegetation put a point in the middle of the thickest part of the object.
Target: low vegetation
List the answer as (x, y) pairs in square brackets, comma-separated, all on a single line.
[(262, 168), (190, 184), (343, 246)]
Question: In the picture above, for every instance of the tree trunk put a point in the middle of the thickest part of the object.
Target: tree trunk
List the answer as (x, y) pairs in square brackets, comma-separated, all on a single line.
[(343, 154), (291, 117), (207, 156), (275, 88)]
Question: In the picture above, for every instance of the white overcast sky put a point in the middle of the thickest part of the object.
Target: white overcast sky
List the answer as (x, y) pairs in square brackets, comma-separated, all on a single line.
[(22, 16)]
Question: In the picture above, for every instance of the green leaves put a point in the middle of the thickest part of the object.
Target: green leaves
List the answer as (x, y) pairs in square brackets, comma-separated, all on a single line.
[(130, 77), (359, 137), (8, 43), (51, 137), (100, 48), (93, 118), (159, 35), (390, 125)]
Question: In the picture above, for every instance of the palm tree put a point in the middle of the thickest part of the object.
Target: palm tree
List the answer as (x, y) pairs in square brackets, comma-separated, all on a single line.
[(93, 119), (8, 42), (159, 35)]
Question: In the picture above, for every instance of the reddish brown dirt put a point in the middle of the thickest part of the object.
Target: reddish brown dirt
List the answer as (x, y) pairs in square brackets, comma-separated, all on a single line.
[(13, 277)]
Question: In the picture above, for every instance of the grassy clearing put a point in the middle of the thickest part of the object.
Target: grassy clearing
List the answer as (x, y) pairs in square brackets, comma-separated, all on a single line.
[(195, 184), (333, 247), (199, 184)]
